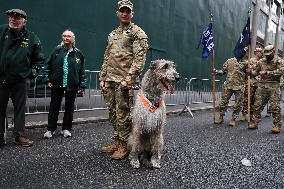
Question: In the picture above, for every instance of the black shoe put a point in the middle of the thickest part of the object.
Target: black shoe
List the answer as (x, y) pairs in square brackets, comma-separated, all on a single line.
[(2, 143)]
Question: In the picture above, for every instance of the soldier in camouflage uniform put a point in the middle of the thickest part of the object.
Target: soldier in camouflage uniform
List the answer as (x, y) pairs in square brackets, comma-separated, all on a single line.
[(124, 60), (270, 68), (253, 85), (268, 107), (233, 85)]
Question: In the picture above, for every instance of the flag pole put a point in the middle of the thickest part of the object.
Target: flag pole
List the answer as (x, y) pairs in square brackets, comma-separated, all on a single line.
[(249, 55), (213, 78)]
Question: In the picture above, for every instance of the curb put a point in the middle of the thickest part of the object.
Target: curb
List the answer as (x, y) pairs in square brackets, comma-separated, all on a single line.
[(31, 125), (42, 124)]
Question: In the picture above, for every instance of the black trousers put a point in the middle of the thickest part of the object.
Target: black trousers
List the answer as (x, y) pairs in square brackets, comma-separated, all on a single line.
[(55, 103), (18, 95)]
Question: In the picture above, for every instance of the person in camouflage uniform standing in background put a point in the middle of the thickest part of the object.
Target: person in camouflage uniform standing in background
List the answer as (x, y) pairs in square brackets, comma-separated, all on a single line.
[(270, 68), (258, 52), (233, 85), (124, 60)]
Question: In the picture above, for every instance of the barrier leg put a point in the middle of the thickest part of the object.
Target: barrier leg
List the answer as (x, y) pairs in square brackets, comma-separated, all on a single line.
[(187, 109), (6, 129)]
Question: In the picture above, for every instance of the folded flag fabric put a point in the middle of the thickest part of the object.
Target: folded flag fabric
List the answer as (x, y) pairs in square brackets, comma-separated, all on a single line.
[(243, 41), (206, 39)]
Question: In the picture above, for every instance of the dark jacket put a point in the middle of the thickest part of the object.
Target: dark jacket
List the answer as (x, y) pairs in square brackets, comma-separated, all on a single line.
[(76, 77), (20, 56)]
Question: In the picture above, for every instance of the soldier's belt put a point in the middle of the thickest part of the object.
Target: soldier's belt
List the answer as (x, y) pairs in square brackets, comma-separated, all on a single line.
[(269, 84)]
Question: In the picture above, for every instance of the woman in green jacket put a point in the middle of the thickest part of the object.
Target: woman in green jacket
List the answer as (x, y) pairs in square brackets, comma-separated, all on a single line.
[(65, 76)]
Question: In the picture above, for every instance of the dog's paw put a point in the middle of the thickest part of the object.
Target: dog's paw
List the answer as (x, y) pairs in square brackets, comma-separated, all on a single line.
[(147, 163), (156, 164), (135, 163)]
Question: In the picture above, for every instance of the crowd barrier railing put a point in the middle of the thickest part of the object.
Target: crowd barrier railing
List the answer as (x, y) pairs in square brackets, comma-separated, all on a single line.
[(199, 91), (187, 92)]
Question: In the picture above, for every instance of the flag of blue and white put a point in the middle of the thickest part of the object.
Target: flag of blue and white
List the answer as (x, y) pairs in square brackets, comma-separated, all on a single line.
[(243, 41), (206, 39)]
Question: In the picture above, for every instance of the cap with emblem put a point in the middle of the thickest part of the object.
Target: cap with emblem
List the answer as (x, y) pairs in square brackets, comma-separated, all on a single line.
[(268, 50), (18, 12), (258, 50), (125, 3)]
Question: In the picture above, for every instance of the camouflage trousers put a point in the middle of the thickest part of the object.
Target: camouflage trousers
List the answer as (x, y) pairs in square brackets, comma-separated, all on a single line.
[(117, 101), (252, 99), (226, 95), (264, 93)]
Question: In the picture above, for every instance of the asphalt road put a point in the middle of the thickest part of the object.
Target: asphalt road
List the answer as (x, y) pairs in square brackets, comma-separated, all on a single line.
[(197, 154)]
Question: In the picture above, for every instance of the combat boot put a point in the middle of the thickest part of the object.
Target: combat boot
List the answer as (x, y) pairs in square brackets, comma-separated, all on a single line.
[(219, 120), (233, 122), (253, 126), (121, 152), (110, 148), (275, 129), (243, 117)]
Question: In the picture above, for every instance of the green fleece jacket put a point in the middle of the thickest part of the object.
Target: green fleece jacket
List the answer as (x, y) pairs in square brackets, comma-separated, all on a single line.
[(20, 55), (76, 77)]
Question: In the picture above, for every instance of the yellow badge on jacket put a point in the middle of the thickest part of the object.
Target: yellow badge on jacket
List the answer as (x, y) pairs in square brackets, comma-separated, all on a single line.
[(24, 44), (78, 61)]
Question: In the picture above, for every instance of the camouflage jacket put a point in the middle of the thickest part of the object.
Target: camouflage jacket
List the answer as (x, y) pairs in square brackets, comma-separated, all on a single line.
[(253, 78), (125, 55), (274, 68), (235, 73)]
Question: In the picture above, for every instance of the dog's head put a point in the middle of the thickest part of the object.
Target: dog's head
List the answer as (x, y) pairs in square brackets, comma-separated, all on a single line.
[(165, 72)]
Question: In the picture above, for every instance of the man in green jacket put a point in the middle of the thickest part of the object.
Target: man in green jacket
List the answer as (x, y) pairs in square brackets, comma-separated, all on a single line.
[(20, 58), (65, 76)]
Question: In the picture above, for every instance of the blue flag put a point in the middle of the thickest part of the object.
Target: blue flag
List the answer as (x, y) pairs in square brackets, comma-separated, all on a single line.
[(243, 41), (206, 39)]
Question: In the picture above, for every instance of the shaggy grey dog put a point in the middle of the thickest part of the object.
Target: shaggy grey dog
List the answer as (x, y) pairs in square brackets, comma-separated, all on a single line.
[(149, 114)]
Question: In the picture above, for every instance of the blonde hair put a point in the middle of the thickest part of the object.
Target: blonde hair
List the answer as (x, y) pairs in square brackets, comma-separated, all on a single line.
[(72, 35)]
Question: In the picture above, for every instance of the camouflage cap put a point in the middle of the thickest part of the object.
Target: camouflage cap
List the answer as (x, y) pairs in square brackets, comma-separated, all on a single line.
[(268, 50), (18, 12), (125, 3), (258, 50)]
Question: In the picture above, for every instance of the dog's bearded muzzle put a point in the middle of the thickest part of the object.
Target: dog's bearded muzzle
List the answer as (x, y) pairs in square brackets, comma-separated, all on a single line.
[(168, 84)]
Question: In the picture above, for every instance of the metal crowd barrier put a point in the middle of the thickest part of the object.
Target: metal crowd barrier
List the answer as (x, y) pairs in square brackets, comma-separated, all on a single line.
[(187, 92), (38, 98), (190, 93), (199, 91)]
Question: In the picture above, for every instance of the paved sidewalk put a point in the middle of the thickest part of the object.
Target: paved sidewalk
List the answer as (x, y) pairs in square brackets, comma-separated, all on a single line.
[(196, 154)]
